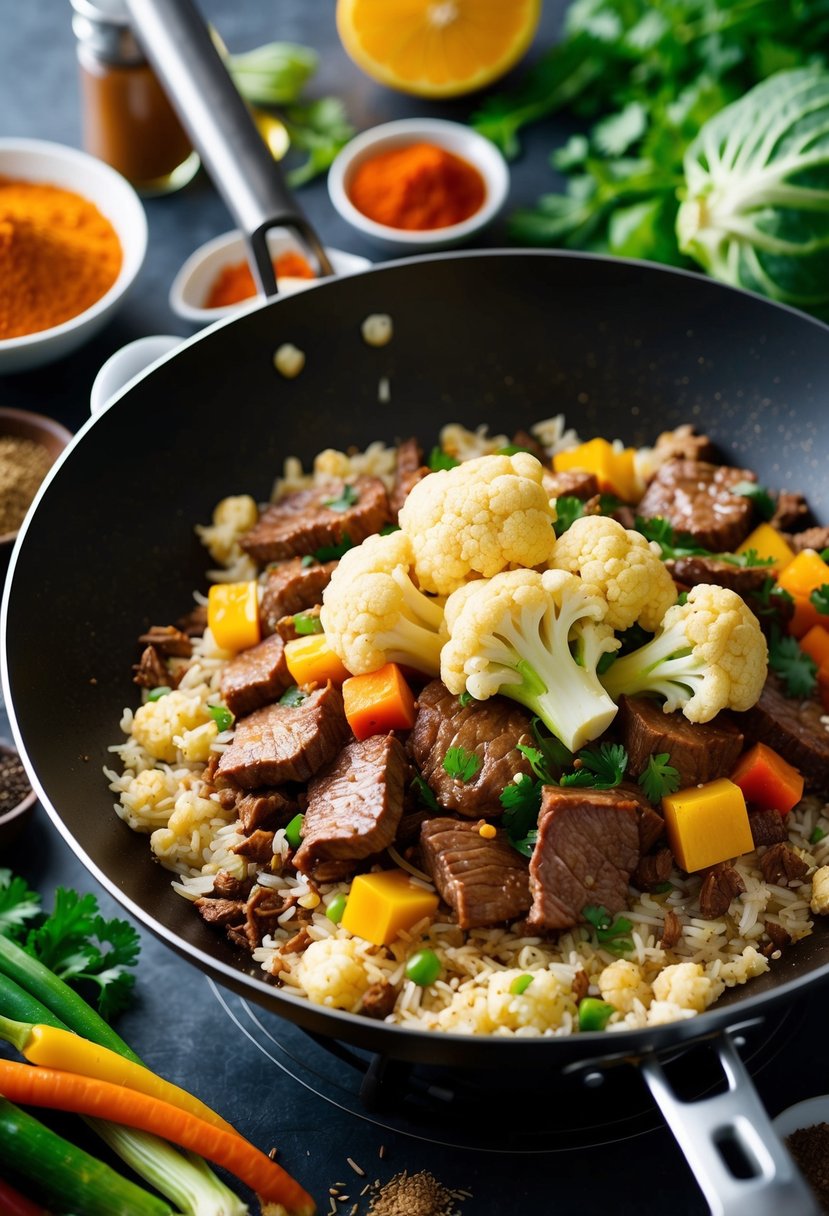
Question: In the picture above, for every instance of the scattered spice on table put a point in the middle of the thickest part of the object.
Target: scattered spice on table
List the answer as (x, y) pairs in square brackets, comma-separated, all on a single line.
[(420, 186), (14, 784), (58, 255), (415, 1195), (235, 283), (23, 465), (810, 1148)]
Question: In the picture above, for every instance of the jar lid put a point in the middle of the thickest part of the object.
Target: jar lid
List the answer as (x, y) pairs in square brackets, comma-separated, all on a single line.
[(104, 27)]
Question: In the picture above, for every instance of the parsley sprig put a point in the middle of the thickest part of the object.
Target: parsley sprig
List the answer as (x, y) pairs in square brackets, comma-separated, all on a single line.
[(659, 777), (423, 792), (461, 764), (600, 768), (348, 497), (820, 599), (679, 544), (795, 668), (763, 502), (438, 459), (614, 935)]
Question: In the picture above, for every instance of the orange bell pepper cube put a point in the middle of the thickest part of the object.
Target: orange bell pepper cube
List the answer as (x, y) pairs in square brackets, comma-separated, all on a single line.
[(767, 542), (706, 824), (801, 577), (815, 642), (768, 780), (378, 702), (311, 660), (233, 615), (614, 470)]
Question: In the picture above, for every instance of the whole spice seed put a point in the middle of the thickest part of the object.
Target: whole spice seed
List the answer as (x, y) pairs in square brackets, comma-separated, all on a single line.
[(810, 1148), (23, 465), (14, 784)]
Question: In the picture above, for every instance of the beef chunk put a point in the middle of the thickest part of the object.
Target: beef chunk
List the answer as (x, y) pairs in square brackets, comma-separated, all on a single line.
[(289, 587), (721, 884), (299, 942), (745, 580), (280, 743), (491, 729), (699, 751), (781, 865), (485, 882), (258, 847), (378, 1000), (810, 538), (671, 930), (221, 911), (696, 499), (767, 826), (194, 622), (229, 887), (303, 522), (571, 483), (256, 676), (151, 670), (650, 822), (355, 805), (587, 849), (653, 870), (168, 641), (778, 937), (409, 470), (581, 985), (790, 513), (268, 810), (683, 443), (794, 729)]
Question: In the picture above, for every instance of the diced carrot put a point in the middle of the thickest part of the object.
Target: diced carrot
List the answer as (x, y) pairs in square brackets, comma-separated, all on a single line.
[(804, 617), (804, 574), (378, 702), (767, 542), (768, 780), (311, 660), (816, 644), (614, 470), (233, 615)]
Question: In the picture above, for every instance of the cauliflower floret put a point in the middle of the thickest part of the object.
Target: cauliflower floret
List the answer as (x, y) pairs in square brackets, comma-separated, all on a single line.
[(708, 654), (333, 974), (820, 892), (487, 1005), (686, 985), (232, 517), (464, 444), (621, 983), (194, 745), (373, 614), (478, 519), (622, 566), (157, 724), (516, 634)]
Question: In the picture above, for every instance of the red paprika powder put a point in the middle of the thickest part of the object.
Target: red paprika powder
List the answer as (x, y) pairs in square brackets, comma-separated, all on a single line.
[(235, 283), (420, 186)]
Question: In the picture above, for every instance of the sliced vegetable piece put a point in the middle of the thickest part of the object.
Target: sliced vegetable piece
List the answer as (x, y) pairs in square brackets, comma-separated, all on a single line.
[(706, 824), (382, 905), (815, 643), (614, 469), (336, 908), (767, 779), (293, 831), (60, 1090), (804, 574), (767, 542), (233, 615), (312, 661), (594, 1014), (520, 984), (378, 702), (70, 1178)]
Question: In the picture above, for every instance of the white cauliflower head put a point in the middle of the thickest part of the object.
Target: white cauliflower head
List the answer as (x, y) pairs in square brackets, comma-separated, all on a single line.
[(622, 566), (478, 519), (708, 654), (373, 613)]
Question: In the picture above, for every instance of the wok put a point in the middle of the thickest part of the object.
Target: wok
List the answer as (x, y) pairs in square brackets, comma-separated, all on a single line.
[(621, 348)]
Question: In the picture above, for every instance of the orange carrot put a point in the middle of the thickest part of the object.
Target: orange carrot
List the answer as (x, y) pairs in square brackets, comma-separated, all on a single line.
[(816, 644), (58, 1090), (768, 780), (378, 702)]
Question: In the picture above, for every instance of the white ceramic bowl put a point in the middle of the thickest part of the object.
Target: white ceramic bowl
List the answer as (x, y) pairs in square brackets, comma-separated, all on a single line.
[(452, 136), (192, 284), (35, 160)]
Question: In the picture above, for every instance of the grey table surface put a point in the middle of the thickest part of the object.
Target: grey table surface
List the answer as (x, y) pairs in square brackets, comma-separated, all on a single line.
[(177, 1024)]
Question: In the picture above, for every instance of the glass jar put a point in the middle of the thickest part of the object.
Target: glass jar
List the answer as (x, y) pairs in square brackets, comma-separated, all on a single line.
[(127, 119)]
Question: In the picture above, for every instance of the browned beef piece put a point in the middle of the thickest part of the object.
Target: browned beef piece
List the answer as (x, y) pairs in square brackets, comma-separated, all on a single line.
[(581, 984), (721, 884), (571, 483), (408, 830), (810, 538), (256, 676), (651, 823), (258, 847), (778, 937), (280, 743), (491, 729), (151, 670), (653, 870), (781, 865), (794, 729), (228, 887), (523, 439), (261, 911), (791, 512), (671, 930), (745, 580), (194, 622), (378, 1000), (409, 470), (355, 804), (289, 587), (269, 810), (699, 751), (696, 499), (299, 942), (302, 522), (485, 882), (168, 640), (683, 443), (767, 826), (587, 849), (221, 911)]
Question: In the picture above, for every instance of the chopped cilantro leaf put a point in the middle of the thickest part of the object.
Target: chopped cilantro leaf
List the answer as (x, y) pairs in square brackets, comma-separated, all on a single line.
[(307, 622), (606, 662), (763, 502), (465, 699), (293, 696), (332, 553), (222, 716), (526, 845), (512, 449), (817, 835), (794, 667), (343, 501), (820, 599), (659, 778), (556, 755), (424, 793), (682, 598), (748, 561), (608, 503), (673, 544), (601, 768), (614, 935), (461, 764), (824, 555), (521, 800), (387, 529), (568, 510), (438, 459), (662, 888), (763, 599), (538, 763)]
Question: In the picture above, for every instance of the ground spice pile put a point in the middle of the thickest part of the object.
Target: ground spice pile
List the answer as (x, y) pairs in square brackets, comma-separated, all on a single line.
[(58, 255), (14, 784), (810, 1148), (415, 1195), (23, 465)]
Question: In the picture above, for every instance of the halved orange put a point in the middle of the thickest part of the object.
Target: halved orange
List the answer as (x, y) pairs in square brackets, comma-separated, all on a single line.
[(436, 48)]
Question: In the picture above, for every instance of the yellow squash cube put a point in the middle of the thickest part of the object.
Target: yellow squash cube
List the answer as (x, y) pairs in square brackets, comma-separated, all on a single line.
[(614, 470), (382, 905), (766, 541), (707, 824), (233, 615)]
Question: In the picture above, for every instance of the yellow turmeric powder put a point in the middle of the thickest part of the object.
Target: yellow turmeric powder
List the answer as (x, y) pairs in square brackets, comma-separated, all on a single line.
[(58, 255)]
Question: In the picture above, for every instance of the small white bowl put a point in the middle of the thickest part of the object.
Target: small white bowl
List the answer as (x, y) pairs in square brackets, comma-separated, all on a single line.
[(35, 160), (453, 137), (802, 1114), (192, 284)]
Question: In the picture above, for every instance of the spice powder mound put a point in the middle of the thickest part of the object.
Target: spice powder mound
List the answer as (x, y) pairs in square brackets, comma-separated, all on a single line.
[(14, 784), (810, 1148), (23, 465), (415, 1195)]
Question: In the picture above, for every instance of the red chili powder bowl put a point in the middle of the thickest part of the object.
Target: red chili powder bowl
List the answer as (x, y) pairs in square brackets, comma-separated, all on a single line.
[(417, 187)]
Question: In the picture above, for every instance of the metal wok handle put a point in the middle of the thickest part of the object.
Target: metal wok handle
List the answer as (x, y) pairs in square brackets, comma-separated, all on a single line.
[(177, 43), (732, 1124)]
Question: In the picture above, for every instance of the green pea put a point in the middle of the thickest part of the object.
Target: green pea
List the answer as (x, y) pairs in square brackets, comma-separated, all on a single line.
[(423, 968), (293, 832), (520, 984), (336, 908), (157, 693), (594, 1014)]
